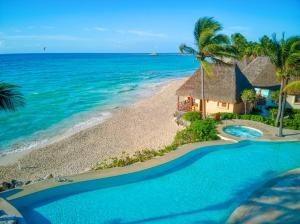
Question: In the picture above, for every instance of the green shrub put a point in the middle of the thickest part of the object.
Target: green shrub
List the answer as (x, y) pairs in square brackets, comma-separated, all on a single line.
[(273, 112), (183, 137), (203, 130), (292, 122), (275, 96), (199, 130), (296, 111), (225, 116), (191, 116)]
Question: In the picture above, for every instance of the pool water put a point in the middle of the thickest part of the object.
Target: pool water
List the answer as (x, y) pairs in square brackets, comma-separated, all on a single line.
[(242, 131), (203, 186)]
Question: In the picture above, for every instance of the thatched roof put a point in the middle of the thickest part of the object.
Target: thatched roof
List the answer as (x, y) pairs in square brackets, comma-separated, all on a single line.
[(293, 88), (226, 84), (261, 73)]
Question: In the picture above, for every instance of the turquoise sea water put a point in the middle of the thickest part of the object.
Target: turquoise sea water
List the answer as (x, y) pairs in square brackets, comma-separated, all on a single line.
[(203, 186), (66, 92)]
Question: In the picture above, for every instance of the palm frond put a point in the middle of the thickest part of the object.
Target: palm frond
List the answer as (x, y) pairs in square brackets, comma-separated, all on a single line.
[(293, 60), (293, 88), (204, 38), (221, 39), (10, 97), (206, 23), (184, 49), (220, 52), (293, 43), (207, 68)]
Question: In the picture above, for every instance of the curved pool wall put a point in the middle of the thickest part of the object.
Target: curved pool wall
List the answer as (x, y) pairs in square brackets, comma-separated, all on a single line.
[(242, 131), (203, 186)]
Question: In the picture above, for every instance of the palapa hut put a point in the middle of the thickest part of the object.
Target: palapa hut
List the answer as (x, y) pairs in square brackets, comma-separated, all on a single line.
[(222, 91), (262, 75)]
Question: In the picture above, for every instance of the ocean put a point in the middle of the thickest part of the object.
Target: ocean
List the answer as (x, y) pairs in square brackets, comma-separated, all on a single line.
[(65, 93)]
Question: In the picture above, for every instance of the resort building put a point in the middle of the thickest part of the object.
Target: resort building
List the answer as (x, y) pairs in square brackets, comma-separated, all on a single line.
[(222, 91), (293, 101), (261, 74)]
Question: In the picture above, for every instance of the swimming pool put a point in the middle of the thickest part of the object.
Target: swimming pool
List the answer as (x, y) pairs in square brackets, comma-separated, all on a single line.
[(203, 186), (242, 131)]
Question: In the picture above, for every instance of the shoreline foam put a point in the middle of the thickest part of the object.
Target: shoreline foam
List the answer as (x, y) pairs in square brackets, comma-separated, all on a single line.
[(127, 130), (91, 118)]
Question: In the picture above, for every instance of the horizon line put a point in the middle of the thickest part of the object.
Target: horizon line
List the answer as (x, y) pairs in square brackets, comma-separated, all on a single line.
[(92, 53)]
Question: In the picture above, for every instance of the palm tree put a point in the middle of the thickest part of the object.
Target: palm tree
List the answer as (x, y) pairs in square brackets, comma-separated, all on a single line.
[(253, 50), (241, 44), (248, 96), (285, 55), (211, 48), (10, 97)]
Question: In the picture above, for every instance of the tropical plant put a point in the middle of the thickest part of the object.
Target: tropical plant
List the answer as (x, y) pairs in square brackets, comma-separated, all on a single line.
[(191, 116), (10, 97), (212, 47), (275, 96), (273, 112), (253, 50), (240, 43), (292, 88), (285, 55), (248, 96), (264, 44)]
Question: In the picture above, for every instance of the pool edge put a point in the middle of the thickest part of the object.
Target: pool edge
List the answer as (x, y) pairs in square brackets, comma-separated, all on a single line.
[(111, 172)]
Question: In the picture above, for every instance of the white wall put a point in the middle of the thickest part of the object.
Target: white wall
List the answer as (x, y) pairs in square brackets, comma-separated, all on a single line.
[(290, 102)]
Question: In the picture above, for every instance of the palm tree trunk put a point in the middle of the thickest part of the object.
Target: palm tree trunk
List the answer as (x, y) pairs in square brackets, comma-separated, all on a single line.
[(284, 95), (202, 92), (245, 103), (279, 103), (280, 134)]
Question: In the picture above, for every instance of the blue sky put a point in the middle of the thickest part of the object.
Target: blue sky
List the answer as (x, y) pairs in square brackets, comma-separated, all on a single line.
[(131, 25)]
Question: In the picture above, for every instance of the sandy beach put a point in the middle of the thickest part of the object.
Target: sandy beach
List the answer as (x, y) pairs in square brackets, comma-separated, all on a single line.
[(146, 124)]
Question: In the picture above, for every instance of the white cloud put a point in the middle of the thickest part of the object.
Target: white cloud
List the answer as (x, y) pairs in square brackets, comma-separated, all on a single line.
[(100, 29), (142, 33), (43, 37), (96, 28)]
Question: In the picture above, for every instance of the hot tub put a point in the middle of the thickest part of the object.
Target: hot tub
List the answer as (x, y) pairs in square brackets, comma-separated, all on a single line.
[(242, 131)]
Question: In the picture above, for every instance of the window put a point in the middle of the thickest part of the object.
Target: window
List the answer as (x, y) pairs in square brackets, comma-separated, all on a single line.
[(297, 99), (222, 104)]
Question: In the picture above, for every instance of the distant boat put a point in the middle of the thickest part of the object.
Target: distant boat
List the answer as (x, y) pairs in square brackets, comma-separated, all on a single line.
[(153, 54)]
